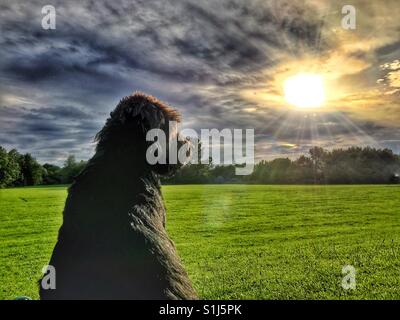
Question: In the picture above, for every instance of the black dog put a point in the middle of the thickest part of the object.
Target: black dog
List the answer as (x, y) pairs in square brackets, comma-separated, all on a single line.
[(113, 243)]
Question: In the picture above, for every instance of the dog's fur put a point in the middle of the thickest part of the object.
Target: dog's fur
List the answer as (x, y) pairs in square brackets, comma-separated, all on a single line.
[(113, 243)]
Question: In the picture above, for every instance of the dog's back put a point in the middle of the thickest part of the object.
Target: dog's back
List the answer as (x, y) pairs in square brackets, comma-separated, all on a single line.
[(113, 243)]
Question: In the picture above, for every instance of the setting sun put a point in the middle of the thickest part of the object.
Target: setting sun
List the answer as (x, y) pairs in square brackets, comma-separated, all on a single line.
[(304, 91)]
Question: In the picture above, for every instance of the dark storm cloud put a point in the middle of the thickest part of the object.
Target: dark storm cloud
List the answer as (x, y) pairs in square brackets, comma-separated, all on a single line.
[(57, 86), (207, 42), (389, 48), (56, 129)]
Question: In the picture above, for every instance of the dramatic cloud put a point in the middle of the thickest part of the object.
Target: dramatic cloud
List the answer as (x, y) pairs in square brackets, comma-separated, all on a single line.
[(221, 63)]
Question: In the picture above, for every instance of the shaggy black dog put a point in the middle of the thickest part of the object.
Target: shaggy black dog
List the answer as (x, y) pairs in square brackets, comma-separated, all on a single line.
[(113, 243)]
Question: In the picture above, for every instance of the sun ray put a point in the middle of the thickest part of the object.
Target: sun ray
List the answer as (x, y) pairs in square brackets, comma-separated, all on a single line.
[(352, 128)]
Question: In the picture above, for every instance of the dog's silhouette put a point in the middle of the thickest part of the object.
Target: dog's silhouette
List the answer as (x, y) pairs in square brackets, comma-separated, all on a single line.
[(113, 243)]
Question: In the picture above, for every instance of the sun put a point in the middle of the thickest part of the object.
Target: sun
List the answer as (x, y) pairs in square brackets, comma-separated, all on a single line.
[(305, 90)]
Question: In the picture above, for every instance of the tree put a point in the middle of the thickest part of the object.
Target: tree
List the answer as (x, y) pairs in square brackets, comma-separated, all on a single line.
[(14, 166), (9, 167), (32, 171), (71, 169), (318, 156), (51, 174)]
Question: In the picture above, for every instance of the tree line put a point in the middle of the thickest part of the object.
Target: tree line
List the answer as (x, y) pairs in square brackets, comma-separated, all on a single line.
[(340, 166), (19, 170)]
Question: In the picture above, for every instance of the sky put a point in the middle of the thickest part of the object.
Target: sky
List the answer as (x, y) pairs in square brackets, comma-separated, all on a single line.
[(222, 64)]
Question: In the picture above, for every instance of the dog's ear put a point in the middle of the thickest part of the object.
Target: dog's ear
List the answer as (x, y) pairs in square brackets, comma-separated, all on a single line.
[(151, 117), (137, 112), (148, 111), (143, 112)]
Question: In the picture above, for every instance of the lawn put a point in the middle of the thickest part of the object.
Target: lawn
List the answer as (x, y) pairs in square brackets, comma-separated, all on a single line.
[(238, 241)]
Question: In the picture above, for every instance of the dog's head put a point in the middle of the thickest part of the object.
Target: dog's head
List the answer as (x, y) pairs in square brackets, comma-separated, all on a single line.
[(124, 133)]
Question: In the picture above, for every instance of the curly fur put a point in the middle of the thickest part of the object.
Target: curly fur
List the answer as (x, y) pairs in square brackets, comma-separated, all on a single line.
[(113, 243)]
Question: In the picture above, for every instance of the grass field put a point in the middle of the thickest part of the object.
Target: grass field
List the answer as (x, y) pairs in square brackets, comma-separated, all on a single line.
[(238, 241)]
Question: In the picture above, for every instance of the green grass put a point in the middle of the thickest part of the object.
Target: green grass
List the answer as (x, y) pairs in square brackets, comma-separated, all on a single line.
[(238, 241)]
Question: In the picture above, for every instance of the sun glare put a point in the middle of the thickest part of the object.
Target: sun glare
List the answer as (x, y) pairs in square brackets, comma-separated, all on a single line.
[(305, 91)]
